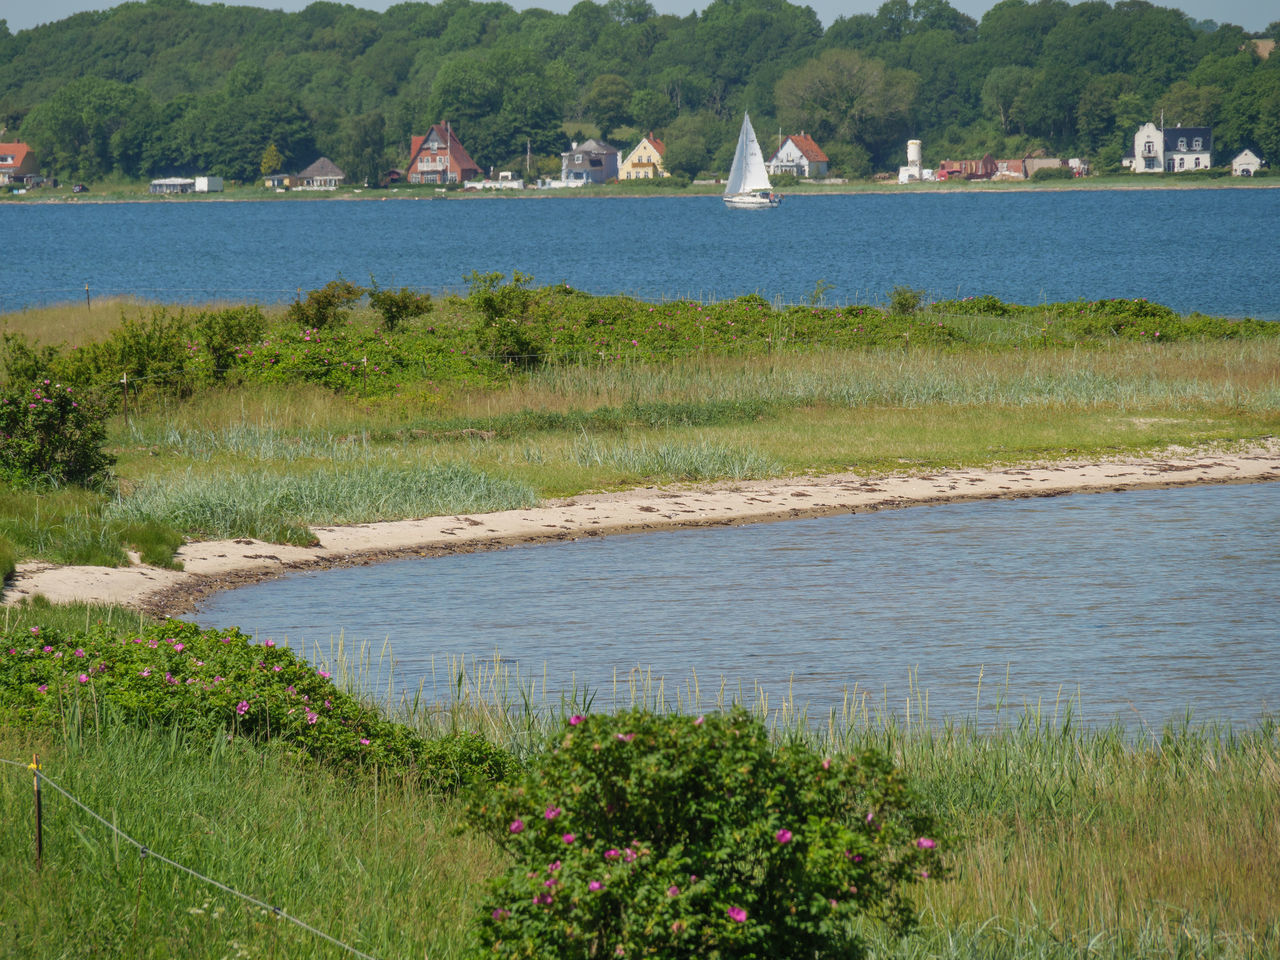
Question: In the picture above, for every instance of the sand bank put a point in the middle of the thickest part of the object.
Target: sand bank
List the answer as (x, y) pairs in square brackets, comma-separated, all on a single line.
[(222, 564)]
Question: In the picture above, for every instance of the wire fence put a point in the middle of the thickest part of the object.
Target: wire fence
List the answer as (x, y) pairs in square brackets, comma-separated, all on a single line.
[(145, 852)]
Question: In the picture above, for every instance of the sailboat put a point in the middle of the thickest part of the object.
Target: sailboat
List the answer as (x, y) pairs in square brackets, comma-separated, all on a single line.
[(749, 187)]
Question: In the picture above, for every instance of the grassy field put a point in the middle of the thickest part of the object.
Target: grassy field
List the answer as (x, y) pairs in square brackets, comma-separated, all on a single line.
[(464, 410)]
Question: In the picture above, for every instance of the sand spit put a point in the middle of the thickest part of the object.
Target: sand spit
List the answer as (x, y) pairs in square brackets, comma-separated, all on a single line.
[(222, 564)]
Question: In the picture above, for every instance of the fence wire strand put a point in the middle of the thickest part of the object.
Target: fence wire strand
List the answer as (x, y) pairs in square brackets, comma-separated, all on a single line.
[(146, 852)]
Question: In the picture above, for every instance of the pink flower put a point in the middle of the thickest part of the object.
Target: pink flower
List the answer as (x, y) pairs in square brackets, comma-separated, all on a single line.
[(568, 838), (576, 719), (783, 836), (365, 741), (673, 891), (35, 631), (179, 646), (554, 866), (626, 737), (83, 678), (552, 813), (45, 649), (516, 826), (79, 652), (144, 672), (612, 854), (501, 914), (312, 717), (269, 643), (242, 707), (924, 843), (737, 914), (595, 885), (698, 722), (826, 764), (43, 688)]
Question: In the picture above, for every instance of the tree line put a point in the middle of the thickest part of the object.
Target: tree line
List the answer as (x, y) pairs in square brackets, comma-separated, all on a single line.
[(174, 87)]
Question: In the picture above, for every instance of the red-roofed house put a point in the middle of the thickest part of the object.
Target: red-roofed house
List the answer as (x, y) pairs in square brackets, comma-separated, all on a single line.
[(439, 158), (16, 162), (645, 161), (799, 155)]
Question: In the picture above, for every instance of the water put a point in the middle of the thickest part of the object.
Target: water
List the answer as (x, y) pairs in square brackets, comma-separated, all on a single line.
[(1189, 249), (1146, 604)]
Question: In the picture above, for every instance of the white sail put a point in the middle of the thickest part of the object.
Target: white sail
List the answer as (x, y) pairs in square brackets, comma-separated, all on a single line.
[(748, 173)]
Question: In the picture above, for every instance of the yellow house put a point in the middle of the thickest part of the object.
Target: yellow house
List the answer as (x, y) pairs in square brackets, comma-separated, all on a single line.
[(645, 161)]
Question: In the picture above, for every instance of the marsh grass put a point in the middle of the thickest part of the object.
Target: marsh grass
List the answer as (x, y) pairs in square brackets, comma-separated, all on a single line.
[(1077, 841), (69, 525), (266, 506)]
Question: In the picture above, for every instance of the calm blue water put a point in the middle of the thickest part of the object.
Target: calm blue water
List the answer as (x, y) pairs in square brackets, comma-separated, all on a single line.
[(1209, 250), (1145, 603)]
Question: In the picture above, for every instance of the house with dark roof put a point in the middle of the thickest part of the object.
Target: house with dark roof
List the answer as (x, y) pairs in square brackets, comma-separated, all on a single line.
[(799, 155), (591, 162), (645, 161), (1170, 150), (17, 161), (324, 174), (439, 157)]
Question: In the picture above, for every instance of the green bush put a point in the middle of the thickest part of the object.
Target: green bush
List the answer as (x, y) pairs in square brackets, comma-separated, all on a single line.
[(215, 683), (225, 335), (397, 306), (904, 301), (641, 835), (324, 306), (1053, 173), (51, 434)]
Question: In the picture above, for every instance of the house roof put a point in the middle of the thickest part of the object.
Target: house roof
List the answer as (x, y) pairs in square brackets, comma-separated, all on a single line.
[(1173, 134), (591, 146), (458, 156), (324, 167), (17, 150), (810, 150), (658, 145)]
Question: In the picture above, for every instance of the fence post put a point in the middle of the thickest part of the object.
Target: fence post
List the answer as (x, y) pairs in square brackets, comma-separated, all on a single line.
[(124, 394), (364, 374), (87, 306), (35, 769)]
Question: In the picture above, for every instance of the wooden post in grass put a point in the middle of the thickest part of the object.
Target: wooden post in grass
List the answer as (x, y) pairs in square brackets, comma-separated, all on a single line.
[(124, 394), (87, 306), (364, 375), (35, 770)]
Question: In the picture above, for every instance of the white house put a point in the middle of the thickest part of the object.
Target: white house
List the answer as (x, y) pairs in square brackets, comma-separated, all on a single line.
[(591, 162), (1171, 150), (1246, 164), (799, 155)]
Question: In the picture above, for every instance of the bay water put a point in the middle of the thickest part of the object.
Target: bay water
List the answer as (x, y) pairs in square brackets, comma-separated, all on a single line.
[(1140, 607), (1211, 250)]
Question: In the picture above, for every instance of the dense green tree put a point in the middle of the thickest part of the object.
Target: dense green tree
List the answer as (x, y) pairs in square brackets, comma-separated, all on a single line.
[(608, 102)]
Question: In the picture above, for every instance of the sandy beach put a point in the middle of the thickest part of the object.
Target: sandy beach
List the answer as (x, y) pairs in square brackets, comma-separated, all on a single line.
[(214, 565)]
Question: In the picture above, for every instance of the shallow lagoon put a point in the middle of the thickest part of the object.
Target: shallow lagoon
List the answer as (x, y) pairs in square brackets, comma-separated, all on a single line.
[(1144, 604)]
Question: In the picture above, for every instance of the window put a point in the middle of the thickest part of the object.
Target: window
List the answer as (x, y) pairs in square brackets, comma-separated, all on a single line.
[(1149, 149), (1197, 163), (577, 158), (422, 163), (1182, 162), (1182, 144), (1197, 144)]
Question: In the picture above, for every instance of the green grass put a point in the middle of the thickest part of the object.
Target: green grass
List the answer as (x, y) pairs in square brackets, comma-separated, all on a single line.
[(1077, 842)]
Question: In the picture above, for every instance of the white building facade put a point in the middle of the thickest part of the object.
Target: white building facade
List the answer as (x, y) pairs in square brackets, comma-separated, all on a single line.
[(1171, 150)]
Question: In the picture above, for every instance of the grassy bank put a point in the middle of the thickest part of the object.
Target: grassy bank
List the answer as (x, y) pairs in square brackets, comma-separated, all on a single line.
[(248, 422), (1074, 842)]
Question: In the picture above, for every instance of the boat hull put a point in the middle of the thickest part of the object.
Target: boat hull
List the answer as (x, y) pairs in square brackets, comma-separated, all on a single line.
[(752, 201)]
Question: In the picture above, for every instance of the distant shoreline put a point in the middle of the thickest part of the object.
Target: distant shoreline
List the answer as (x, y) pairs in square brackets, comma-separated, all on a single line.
[(966, 188)]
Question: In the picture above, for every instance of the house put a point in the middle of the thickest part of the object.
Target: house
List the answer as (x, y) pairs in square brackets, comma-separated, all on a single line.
[(321, 175), (1171, 150), (16, 162), (208, 184), (172, 185), (439, 157), (1246, 164), (280, 181), (591, 162), (645, 161), (800, 156)]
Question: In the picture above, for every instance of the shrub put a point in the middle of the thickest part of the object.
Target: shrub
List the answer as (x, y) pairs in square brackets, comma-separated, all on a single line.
[(904, 301), (51, 434), (324, 306), (640, 835), (226, 333), (397, 306), (1053, 173), (215, 683)]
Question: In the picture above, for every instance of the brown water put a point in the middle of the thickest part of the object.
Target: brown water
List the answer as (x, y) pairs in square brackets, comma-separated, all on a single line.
[(1145, 604)]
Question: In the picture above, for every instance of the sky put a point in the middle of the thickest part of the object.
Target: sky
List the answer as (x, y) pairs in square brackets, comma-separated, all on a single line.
[(1253, 15)]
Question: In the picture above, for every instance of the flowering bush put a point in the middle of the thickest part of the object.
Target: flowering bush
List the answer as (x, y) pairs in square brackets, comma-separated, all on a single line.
[(51, 433), (641, 835), (214, 683)]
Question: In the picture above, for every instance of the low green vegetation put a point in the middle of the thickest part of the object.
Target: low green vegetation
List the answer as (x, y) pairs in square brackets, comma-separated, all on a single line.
[(135, 430), (1041, 837)]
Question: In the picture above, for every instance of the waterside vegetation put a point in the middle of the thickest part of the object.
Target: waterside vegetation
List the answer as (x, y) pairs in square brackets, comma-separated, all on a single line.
[(131, 426), (1045, 838)]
